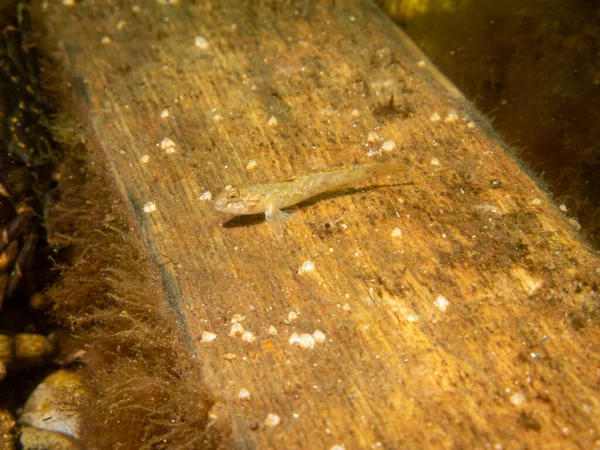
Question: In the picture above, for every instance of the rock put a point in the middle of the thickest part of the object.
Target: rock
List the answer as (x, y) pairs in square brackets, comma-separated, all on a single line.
[(4, 278), (53, 404), (32, 349), (6, 349), (34, 439), (8, 436), (39, 302)]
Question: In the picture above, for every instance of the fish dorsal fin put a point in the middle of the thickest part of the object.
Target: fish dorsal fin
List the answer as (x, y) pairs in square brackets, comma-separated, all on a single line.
[(295, 178)]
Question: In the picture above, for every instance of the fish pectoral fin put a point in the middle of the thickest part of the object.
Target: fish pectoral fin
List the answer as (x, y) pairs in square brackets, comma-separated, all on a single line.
[(276, 219)]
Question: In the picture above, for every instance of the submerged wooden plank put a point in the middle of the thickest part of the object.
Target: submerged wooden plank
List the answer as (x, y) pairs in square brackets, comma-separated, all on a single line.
[(454, 307)]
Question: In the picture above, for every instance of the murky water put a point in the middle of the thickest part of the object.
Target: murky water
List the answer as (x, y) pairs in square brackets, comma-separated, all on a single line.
[(533, 67)]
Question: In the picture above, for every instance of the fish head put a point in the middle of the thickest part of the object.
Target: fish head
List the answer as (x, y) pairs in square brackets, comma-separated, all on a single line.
[(238, 201)]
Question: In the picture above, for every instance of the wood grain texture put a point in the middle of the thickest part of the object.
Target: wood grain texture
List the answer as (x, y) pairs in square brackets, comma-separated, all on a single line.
[(512, 362)]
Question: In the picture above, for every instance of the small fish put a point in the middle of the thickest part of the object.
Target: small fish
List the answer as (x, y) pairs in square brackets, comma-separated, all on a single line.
[(271, 198)]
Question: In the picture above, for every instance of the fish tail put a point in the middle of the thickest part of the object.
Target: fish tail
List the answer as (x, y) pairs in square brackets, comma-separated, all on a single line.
[(345, 177), (376, 169)]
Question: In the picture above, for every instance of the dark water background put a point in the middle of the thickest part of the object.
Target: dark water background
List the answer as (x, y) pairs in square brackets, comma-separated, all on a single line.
[(533, 67)]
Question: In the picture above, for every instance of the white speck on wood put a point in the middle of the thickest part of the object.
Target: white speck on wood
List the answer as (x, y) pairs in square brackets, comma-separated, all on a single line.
[(207, 336), (164, 113), (144, 159), (167, 145), (442, 303), (201, 43), (206, 196), (397, 232), (272, 121), (244, 394), (307, 341), (307, 266), (272, 420), (319, 336), (149, 207), (272, 330), (252, 164), (517, 398), (248, 336), (410, 316), (435, 117), (236, 329), (451, 117), (294, 339), (388, 145)]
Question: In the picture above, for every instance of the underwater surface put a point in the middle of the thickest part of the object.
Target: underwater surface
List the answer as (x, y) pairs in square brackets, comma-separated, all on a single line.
[(531, 67)]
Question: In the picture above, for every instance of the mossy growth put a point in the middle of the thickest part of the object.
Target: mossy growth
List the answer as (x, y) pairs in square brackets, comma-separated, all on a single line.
[(145, 388)]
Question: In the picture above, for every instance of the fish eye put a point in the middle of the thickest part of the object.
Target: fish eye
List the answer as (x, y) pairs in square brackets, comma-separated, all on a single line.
[(232, 194)]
